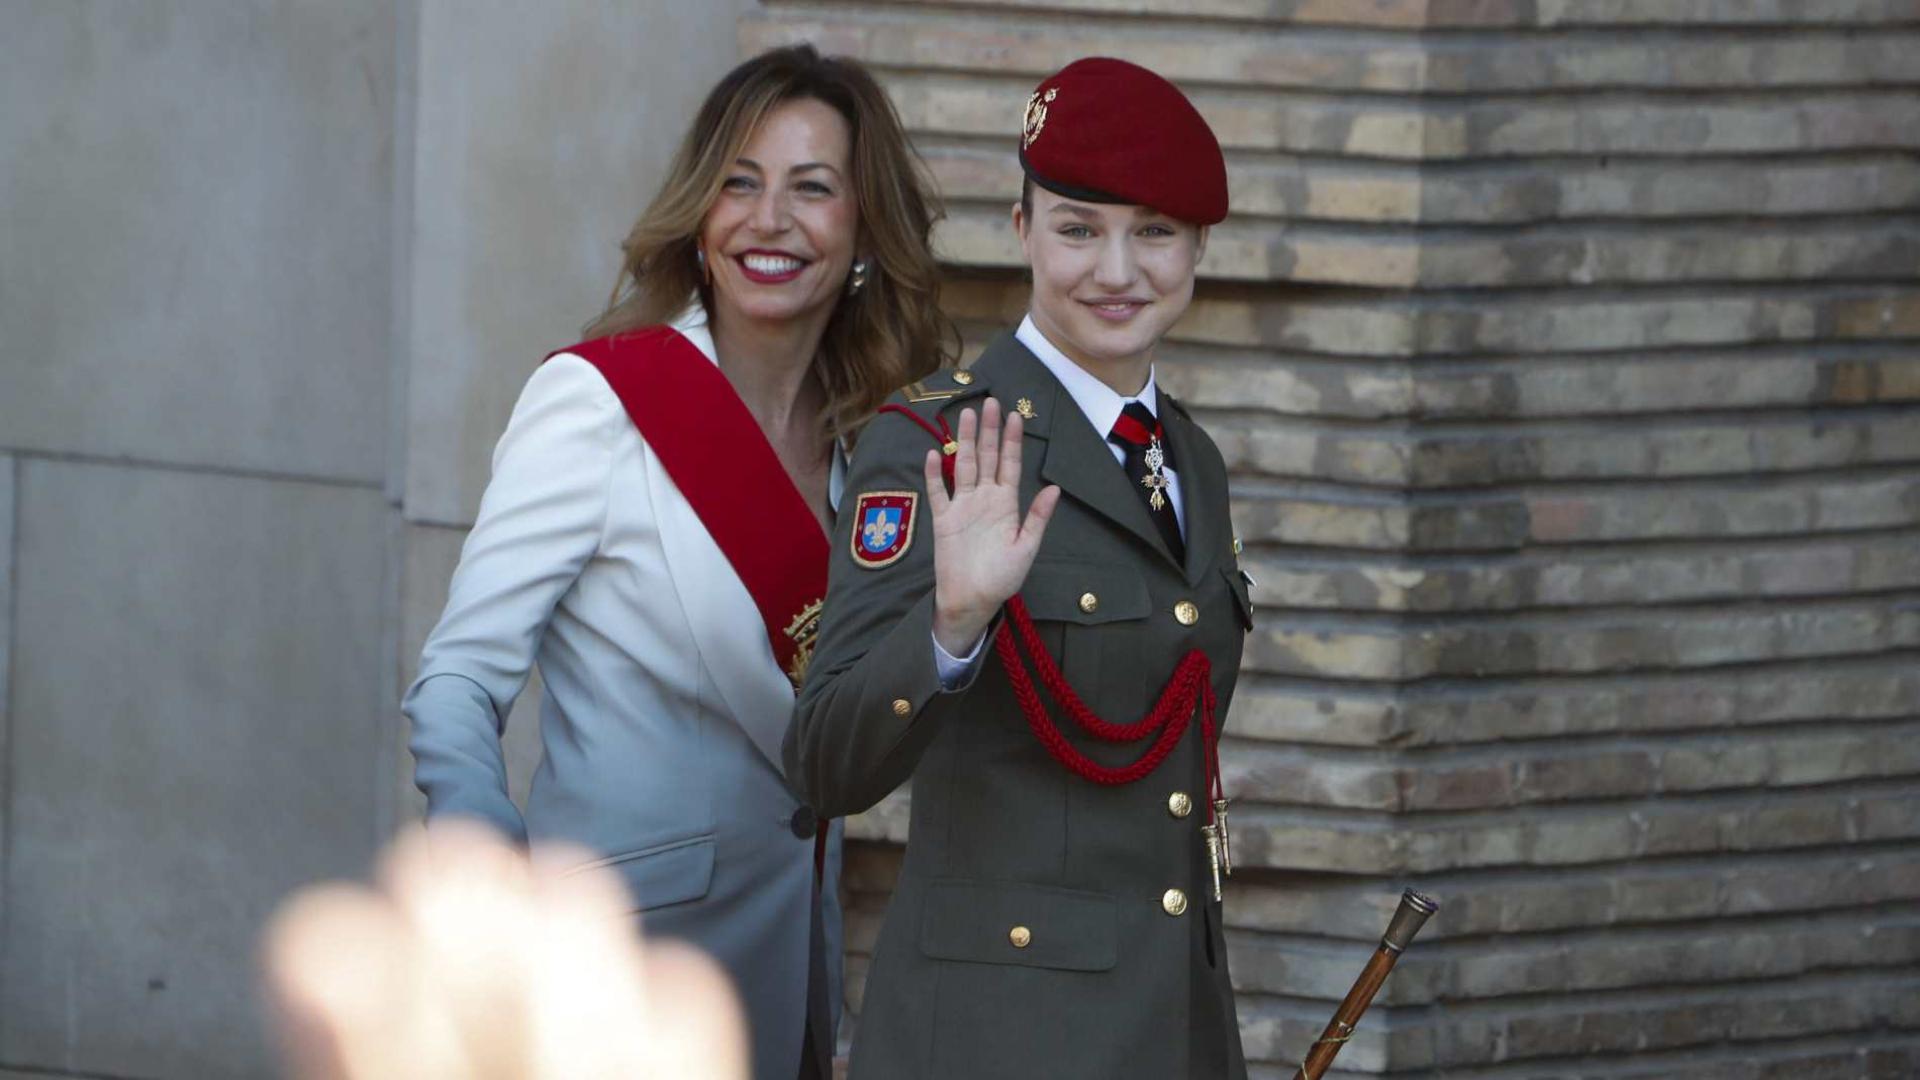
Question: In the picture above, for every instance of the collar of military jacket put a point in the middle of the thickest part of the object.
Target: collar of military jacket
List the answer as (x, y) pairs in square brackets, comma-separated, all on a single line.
[(1076, 457)]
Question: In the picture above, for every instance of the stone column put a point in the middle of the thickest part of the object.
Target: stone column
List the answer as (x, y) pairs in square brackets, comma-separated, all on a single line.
[(1563, 354)]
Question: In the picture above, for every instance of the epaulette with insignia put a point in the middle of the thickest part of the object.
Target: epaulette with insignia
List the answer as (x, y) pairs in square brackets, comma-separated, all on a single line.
[(943, 386), (938, 391)]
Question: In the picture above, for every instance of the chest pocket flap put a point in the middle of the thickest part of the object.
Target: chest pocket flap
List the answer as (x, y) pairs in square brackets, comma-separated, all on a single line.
[(1085, 593), (981, 921)]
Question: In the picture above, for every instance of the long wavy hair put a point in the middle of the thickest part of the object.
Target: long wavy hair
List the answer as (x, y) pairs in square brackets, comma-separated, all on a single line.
[(888, 334)]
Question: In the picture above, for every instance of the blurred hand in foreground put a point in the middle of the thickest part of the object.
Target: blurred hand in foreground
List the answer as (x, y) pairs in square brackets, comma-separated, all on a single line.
[(469, 960)]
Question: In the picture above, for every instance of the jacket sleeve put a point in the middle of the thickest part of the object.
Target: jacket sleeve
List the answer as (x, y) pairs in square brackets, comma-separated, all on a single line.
[(872, 700), (542, 518)]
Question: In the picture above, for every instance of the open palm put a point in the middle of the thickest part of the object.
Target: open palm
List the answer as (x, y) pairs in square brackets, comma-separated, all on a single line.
[(982, 547)]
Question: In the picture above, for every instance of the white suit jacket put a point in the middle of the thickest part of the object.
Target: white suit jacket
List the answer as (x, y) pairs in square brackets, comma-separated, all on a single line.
[(664, 707)]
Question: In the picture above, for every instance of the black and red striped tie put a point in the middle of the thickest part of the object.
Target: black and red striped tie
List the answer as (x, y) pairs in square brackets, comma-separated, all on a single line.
[(1133, 433)]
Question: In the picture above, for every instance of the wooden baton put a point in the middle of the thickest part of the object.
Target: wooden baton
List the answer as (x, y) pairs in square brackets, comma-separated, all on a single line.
[(1407, 921)]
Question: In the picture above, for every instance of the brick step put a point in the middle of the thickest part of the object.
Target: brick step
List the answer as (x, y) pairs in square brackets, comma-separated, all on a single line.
[(1689, 574), (1418, 394), (1458, 14), (1407, 129), (1035, 44), (1663, 958), (1711, 509), (1337, 189), (1681, 445), (1338, 323), (1592, 835), (1549, 771), (1315, 645), (1848, 1057), (981, 235), (1521, 713), (1629, 1024), (1488, 909)]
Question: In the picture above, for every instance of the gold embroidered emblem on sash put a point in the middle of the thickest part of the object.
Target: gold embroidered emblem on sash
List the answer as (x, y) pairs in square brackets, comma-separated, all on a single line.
[(803, 631)]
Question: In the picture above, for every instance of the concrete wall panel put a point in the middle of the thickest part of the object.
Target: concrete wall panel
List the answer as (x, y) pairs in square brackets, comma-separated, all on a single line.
[(539, 143), (195, 219), (6, 600), (197, 711), (6, 663)]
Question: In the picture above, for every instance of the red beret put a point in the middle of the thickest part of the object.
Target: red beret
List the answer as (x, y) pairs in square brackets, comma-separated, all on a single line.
[(1105, 130)]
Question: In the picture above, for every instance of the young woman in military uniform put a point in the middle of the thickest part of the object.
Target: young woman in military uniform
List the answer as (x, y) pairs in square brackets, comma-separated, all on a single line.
[(1052, 679)]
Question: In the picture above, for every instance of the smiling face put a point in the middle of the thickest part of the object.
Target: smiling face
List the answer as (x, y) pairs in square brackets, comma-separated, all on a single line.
[(779, 238), (1108, 280)]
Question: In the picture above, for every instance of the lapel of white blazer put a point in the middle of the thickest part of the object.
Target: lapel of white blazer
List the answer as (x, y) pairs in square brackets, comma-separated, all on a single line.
[(725, 622)]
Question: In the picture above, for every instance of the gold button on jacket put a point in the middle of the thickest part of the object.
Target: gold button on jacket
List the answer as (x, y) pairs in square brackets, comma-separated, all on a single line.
[(1089, 603), (1179, 804), (902, 707), (1020, 936), (1174, 902), (1187, 612)]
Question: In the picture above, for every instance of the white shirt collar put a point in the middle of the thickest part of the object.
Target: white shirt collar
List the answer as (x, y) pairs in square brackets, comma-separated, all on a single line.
[(1096, 399), (692, 325)]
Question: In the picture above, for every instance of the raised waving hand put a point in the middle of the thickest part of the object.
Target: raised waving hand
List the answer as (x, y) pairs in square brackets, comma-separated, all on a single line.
[(982, 545)]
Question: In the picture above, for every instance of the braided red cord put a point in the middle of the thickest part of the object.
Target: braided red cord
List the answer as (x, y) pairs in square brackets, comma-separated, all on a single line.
[(942, 435), (1190, 684)]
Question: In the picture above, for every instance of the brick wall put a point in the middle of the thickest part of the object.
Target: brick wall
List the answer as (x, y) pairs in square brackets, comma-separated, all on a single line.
[(1564, 357)]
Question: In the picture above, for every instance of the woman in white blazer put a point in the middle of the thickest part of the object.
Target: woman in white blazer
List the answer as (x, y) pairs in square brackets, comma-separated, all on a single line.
[(654, 533)]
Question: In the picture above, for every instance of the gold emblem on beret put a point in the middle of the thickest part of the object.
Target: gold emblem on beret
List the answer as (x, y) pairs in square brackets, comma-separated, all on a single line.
[(1036, 117)]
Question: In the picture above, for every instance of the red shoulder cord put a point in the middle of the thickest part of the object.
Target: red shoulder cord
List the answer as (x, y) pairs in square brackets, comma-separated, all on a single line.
[(1190, 685), (941, 435)]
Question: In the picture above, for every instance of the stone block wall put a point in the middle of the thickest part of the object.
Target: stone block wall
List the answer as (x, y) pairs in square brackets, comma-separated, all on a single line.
[(1564, 354), (1564, 351)]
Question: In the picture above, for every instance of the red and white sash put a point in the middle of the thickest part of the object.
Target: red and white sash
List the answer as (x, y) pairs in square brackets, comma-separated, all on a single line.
[(712, 447)]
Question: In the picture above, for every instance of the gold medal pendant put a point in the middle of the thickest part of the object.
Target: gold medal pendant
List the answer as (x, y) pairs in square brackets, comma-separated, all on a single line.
[(1156, 480)]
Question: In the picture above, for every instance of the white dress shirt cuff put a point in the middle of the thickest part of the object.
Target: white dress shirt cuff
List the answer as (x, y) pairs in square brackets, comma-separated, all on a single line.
[(956, 672)]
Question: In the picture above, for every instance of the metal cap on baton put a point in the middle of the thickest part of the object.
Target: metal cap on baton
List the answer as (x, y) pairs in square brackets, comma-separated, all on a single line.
[(1407, 920)]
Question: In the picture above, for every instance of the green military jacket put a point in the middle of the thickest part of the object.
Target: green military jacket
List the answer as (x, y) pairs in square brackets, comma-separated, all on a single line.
[(1043, 925)]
